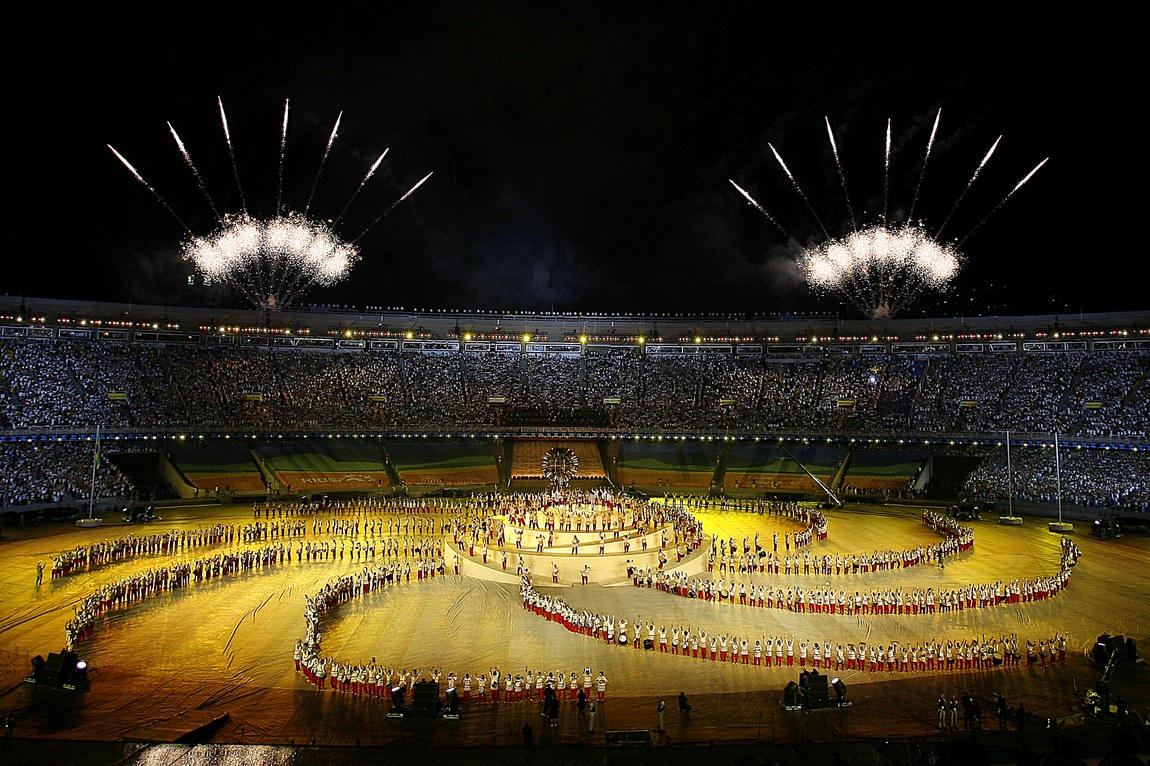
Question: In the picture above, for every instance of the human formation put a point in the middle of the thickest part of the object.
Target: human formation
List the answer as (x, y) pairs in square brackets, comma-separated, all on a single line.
[(693, 642), (402, 543), (827, 599)]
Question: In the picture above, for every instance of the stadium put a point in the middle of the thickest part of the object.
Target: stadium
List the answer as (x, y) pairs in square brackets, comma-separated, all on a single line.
[(337, 417), (775, 395)]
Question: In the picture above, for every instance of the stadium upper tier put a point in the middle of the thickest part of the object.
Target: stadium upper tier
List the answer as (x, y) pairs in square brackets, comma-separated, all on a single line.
[(74, 366)]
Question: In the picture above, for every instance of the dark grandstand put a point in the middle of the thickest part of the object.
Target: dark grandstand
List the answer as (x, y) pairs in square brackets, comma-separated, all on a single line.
[(915, 407)]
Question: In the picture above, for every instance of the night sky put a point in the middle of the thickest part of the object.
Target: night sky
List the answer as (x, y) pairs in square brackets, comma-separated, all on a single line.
[(581, 150)]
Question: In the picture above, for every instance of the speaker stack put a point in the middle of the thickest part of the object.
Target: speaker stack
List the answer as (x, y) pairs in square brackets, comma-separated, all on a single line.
[(53, 670), (817, 694), (425, 699), (62, 670)]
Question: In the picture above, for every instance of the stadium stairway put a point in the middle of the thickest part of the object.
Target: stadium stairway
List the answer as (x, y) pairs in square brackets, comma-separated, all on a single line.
[(175, 477), (720, 475), (388, 466), (269, 476), (836, 481)]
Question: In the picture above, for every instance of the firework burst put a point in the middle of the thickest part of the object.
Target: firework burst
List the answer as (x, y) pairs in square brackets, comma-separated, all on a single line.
[(560, 466), (270, 261), (881, 267)]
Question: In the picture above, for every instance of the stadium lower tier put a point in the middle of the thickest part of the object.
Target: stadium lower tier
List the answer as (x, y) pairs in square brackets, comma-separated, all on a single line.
[(36, 471)]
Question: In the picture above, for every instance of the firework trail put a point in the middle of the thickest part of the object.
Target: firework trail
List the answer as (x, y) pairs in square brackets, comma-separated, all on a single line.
[(326, 152), (232, 153), (393, 206), (886, 174), (195, 172), (148, 186), (799, 189), (1009, 194), (370, 172), (881, 267), (283, 149), (842, 175), (969, 183), (761, 209), (420, 183), (269, 261), (925, 159)]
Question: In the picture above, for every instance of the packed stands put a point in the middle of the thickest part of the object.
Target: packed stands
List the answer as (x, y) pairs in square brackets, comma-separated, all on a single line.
[(54, 472), (59, 385)]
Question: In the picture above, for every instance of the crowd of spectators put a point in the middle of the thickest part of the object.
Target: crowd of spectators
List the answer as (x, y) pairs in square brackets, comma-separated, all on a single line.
[(1105, 479), (53, 472), (79, 383), (82, 383)]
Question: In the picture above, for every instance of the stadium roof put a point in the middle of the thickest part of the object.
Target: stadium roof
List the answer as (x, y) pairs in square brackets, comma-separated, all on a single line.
[(347, 321)]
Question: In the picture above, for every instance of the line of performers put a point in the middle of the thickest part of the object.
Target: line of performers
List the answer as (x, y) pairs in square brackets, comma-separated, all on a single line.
[(425, 542), (84, 557), (374, 679), (138, 587), (727, 558), (785, 650), (829, 600), (141, 586), (364, 506)]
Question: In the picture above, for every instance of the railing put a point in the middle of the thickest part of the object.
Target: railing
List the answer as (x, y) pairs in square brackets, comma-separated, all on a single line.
[(887, 439)]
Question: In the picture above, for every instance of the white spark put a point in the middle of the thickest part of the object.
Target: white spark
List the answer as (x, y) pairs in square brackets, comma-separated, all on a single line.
[(282, 256), (781, 163), (270, 261), (420, 183), (879, 268)]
